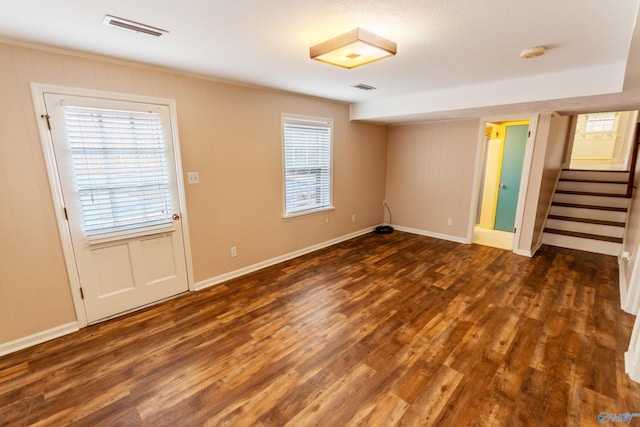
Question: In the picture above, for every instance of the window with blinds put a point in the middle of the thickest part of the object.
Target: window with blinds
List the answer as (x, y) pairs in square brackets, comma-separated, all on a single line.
[(120, 168), (307, 165)]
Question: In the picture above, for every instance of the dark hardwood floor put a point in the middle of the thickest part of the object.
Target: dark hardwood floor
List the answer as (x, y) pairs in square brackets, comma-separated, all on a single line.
[(381, 330)]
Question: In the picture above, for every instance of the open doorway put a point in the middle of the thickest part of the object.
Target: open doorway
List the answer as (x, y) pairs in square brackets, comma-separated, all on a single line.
[(603, 141), (503, 153)]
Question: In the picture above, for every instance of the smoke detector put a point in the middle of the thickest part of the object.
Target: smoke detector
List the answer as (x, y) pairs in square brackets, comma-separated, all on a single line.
[(533, 52)]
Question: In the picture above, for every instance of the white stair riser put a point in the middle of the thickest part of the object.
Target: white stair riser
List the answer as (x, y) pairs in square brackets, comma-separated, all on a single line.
[(593, 187), (596, 175), (588, 213), (579, 199), (583, 227), (597, 246)]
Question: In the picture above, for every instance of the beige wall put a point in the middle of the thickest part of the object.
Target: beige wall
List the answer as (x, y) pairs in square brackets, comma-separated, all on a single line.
[(546, 165), (228, 133), (430, 173)]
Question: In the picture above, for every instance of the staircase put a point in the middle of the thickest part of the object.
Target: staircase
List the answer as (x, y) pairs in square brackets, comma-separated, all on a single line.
[(589, 211)]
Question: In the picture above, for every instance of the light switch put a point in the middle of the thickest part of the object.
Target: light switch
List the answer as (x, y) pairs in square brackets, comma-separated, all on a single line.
[(193, 178)]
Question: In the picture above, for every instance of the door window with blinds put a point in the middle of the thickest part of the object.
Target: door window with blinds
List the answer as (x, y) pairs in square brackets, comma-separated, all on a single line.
[(307, 165), (120, 166)]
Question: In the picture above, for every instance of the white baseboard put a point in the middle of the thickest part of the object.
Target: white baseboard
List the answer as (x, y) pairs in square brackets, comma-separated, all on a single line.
[(448, 237), (38, 338), (537, 246), (630, 366), (457, 239), (532, 252), (268, 263), (622, 282), (523, 252)]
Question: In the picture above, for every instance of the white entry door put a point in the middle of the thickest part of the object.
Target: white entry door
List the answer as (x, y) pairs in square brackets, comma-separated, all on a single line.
[(118, 175)]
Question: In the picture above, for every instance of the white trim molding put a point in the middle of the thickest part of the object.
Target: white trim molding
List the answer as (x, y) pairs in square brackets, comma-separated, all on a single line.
[(526, 253), (448, 237), (273, 261), (629, 291), (622, 280), (632, 356), (38, 338)]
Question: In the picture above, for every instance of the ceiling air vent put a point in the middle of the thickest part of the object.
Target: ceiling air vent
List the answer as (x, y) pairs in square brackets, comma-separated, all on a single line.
[(114, 21), (364, 87)]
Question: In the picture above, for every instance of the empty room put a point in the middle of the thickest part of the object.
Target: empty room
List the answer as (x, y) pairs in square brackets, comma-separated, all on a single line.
[(320, 213)]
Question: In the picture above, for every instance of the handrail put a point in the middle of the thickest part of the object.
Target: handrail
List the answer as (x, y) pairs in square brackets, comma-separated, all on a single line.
[(632, 165)]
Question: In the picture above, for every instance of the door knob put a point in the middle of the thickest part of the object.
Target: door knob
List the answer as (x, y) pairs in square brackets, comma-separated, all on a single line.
[(175, 217), (503, 186)]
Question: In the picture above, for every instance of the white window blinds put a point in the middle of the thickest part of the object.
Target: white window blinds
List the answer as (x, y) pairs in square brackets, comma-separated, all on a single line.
[(307, 164), (120, 168)]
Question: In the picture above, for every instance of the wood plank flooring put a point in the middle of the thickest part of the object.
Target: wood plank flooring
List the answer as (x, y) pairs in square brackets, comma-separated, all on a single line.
[(381, 330)]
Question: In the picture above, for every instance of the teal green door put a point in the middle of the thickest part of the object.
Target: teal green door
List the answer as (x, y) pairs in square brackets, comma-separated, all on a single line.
[(514, 146)]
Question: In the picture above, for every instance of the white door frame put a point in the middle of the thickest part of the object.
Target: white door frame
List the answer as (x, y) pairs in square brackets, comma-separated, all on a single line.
[(526, 170), (37, 93)]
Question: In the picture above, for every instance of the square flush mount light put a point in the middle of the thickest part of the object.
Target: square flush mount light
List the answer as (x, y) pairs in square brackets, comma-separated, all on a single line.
[(353, 49)]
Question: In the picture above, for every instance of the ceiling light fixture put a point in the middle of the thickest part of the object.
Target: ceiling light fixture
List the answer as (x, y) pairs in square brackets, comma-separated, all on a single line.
[(133, 26), (533, 52), (353, 49)]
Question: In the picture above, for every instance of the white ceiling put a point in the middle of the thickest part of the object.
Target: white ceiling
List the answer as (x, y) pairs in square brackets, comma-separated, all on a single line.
[(456, 58)]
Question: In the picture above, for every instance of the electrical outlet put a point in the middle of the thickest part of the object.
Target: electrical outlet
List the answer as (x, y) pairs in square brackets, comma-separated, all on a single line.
[(234, 252), (450, 221), (193, 177), (353, 217)]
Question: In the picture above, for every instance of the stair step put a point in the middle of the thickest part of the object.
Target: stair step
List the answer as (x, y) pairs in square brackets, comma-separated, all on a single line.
[(588, 212), (584, 235), (592, 227), (598, 181), (581, 206), (593, 187), (579, 243), (592, 193), (618, 176), (588, 220), (590, 200), (594, 170)]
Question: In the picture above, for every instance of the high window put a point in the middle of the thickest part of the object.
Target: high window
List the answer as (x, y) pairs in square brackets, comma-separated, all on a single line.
[(600, 122)]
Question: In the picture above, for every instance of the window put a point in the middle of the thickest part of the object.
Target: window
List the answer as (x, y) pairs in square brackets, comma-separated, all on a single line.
[(120, 168), (307, 164), (600, 122)]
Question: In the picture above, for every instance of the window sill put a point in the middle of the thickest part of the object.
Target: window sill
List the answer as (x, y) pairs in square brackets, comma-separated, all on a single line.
[(309, 212)]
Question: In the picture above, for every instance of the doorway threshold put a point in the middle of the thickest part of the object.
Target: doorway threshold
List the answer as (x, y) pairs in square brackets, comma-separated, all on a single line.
[(494, 238)]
